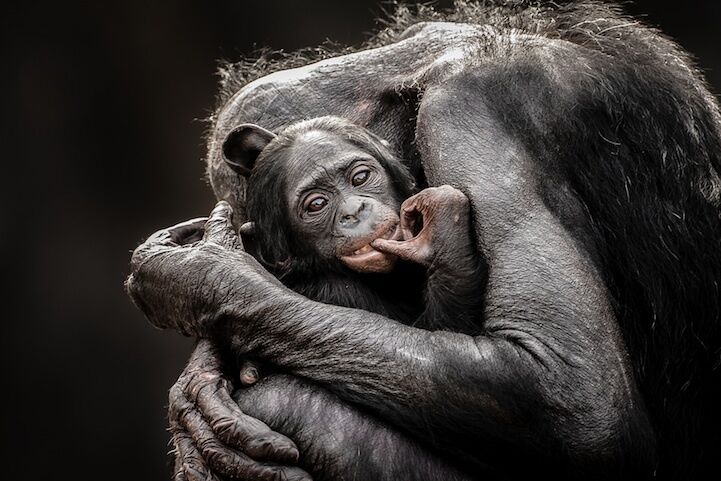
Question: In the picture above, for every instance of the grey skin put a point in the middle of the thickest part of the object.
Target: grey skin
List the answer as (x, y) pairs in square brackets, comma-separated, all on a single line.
[(548, 382)]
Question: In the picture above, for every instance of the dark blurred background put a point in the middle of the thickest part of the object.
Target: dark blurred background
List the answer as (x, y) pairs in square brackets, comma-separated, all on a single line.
[(103, 143)]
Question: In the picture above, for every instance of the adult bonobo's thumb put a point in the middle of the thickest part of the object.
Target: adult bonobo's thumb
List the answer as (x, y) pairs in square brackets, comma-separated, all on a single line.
[(219, 227)]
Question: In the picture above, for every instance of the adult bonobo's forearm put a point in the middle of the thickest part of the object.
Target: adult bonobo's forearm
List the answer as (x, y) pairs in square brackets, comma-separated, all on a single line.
[(406, 375), (515, 381), (338, 441)]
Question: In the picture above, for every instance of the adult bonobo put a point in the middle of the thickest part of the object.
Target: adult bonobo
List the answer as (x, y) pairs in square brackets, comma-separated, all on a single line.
[(590, 151)]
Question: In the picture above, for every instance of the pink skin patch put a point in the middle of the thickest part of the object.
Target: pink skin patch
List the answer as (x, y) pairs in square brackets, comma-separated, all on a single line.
[(364, 258)]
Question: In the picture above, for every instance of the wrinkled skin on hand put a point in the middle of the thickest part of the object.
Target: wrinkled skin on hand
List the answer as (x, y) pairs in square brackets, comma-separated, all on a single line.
[(210, 434), (168, 274)]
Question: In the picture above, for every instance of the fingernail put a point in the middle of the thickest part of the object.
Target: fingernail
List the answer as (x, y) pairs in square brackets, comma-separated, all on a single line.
[(249, 376)]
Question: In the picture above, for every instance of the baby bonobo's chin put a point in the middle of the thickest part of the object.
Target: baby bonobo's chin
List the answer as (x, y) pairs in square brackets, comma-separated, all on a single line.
[(361, 257)]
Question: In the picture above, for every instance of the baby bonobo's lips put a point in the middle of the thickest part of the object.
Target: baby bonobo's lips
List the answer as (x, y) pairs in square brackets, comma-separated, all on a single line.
[(365, 258)]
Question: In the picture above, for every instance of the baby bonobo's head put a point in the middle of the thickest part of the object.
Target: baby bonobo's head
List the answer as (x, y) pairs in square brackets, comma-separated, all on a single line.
[(319, 192)]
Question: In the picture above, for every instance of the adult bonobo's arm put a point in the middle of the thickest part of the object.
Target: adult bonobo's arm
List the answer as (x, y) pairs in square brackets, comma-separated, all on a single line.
[(215, 435), (211, 436), (547, 312), (528, 383)]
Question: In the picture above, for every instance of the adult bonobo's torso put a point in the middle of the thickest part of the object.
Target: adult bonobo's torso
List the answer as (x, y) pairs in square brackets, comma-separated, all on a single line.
[(589, 150)]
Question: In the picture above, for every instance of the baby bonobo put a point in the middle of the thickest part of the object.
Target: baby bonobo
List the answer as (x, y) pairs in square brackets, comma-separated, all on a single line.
[(324, 197)]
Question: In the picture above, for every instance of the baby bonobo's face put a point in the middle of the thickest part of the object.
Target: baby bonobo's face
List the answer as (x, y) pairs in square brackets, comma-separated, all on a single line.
[(341, 199)]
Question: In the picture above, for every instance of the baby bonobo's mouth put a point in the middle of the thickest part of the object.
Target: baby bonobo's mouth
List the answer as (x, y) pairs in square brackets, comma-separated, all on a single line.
[(365, 258)]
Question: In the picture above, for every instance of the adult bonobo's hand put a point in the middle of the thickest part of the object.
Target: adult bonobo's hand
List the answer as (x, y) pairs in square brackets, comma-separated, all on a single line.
[(187, 286), (427, 221), (210, 434)]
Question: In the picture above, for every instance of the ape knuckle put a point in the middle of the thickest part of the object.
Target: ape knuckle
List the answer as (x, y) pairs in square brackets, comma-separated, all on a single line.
[(208, 377), (278, 474), (175, 395), (193, 371), (209, 447), (193, 470), (451, 195), (227, 428), (202, 382), (218, 458), (264, 439), (457, 196), (223, 207)]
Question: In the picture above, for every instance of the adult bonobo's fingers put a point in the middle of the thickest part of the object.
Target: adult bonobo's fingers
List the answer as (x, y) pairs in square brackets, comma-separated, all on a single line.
[(165, 241), (158, 243), (229, 462), (202, 451), (219, 227), (189, 231), (178, 473), (250, 372), (203, 387), (189, 464), (235, 428)]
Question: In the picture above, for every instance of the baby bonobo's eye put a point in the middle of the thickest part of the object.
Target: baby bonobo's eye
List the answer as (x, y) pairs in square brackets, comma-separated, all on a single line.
[(360, 176), (315, 203)]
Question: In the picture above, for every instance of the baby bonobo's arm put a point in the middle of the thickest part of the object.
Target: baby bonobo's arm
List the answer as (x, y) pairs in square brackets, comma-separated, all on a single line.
[(444, 245)]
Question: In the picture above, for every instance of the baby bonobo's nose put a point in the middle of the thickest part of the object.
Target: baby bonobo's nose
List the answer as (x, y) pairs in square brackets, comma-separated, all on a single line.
[(353, 211)]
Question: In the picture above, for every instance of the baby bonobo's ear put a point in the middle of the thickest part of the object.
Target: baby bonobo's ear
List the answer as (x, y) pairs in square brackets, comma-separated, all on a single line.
[(243, 145)]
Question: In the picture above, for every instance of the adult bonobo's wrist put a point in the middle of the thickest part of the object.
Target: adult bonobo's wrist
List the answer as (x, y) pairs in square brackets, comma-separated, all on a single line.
[(259, 315), (178, 287)]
